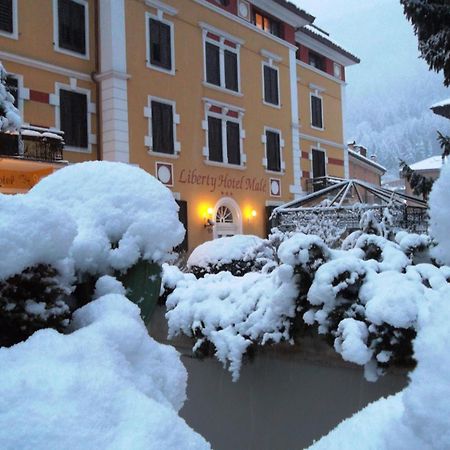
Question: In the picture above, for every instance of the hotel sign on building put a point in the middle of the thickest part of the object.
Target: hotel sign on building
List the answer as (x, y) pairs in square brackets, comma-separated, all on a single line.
[(232, 104)]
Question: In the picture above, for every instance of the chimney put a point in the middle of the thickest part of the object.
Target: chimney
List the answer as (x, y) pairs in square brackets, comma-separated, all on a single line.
[(373, 158), (363, 151)]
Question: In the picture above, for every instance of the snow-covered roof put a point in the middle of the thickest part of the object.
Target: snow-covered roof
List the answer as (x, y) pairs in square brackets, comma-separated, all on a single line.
[(442, 108), (369, 161), (432, 163), (441, 103)]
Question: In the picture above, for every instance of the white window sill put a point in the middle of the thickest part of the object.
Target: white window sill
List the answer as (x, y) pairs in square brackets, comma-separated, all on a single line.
[(164, 155), (274, 172), (161, 69), (317, 128), (221, 164), (13, 35), (273, 105), (58, 49), (222, 89)]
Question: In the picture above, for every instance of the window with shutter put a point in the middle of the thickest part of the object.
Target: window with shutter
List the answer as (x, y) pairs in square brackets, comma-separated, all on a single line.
[(233, 143), (12, 84), (212, 64), (215, 139), (271, 94), (160, 44), (72, 26), (273, 151), (162, 127), (231, 70), (316, 112), (74, 118), (316, 60), (6, 16), (318, 163)]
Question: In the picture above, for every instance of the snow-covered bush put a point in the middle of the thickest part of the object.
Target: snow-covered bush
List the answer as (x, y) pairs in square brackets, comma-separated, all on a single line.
[(237, 254), (105, 385), (122, 214), (231, 313), (9, 115)]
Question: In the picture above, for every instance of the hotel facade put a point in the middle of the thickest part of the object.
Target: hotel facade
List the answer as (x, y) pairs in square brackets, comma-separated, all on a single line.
[(234, 105)]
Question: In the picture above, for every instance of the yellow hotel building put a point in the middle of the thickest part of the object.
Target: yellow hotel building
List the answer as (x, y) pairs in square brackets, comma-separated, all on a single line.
[(233, 104)]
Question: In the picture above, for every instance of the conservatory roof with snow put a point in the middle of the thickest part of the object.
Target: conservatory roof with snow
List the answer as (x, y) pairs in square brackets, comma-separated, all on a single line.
[(344, 201)]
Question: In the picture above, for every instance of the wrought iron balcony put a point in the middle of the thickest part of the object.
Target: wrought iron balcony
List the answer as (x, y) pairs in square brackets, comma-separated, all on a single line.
[(33, 143), (316, 184)]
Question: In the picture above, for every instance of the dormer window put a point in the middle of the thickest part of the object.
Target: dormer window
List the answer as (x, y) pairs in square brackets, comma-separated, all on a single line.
[(268, 24)]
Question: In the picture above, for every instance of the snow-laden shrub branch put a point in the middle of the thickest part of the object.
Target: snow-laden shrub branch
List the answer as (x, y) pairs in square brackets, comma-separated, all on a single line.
[(9, 115)]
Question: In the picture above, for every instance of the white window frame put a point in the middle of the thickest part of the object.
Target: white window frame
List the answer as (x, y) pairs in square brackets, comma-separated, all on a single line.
[(159, 17), (272, 66), (15, 20), (56, 46), (91, 109), (265, 158), (311, 95), (148, 140), (22, 92), (223, 36), (224, 118), (319, 149)]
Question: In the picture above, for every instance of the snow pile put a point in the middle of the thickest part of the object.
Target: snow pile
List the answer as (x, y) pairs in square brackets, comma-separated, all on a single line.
[(122, 214), (9, 115), (418, 418), (232, 312), (440, 215), (105, 385)]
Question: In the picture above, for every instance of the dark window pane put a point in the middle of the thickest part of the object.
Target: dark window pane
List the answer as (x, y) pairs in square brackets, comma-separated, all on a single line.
[(316, 60), (318, 160), (73, 117), (71, 22), (160, 44), (231, 71), (215, 139), (12, 84), (162, 127), (271, 85), (212, 64), (233, 143), (316, 111), (6, 16), (183, 217), (273, 151)]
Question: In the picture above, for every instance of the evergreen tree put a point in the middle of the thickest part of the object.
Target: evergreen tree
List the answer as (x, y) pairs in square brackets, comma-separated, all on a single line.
[(431, 22), (9, 115), (420, 185)]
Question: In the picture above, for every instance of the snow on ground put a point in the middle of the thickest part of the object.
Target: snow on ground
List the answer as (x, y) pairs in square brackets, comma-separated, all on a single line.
[(121, 212), (233, 312), (106, 385)]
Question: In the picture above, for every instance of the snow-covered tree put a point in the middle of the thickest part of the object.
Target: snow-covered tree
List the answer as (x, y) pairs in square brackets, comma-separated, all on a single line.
[(9, 115), (431, 22)]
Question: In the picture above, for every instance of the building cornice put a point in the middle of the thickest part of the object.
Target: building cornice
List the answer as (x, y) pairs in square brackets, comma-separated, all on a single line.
[(367, 162)]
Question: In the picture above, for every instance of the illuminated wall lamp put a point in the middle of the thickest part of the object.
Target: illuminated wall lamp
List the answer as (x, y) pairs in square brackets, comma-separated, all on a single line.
[(207, 219), (251, 215)]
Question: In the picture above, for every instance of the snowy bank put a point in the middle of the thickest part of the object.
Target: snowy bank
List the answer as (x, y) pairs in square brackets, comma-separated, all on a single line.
[(106, 385)]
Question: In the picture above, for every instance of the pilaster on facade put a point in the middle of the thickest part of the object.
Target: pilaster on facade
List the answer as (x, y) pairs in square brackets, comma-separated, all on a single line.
[(113, 82), (296, 187), (346, 159)]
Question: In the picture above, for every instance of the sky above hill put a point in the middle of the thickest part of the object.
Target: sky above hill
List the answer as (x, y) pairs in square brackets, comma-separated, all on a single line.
[(391, 79)]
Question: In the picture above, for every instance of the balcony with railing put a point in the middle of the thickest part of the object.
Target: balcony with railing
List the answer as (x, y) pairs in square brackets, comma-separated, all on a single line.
[(33, 144)]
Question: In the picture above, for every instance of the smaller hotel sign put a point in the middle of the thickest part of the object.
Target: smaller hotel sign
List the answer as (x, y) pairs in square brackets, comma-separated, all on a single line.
[(164, 173)]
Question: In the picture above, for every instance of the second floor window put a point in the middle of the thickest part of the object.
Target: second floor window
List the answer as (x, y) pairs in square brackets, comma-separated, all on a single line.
[(316, 112), (316, 60), (72, 26), (271, 94), (73, 118), (221, 63), (224, 141), (273, 151), (6, 16), (160, 44), (162, 128)]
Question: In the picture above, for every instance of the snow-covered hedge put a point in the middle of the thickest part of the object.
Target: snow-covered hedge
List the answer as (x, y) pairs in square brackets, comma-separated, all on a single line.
[(105, 385), (85, 220), (238, 254), (9, 115)]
